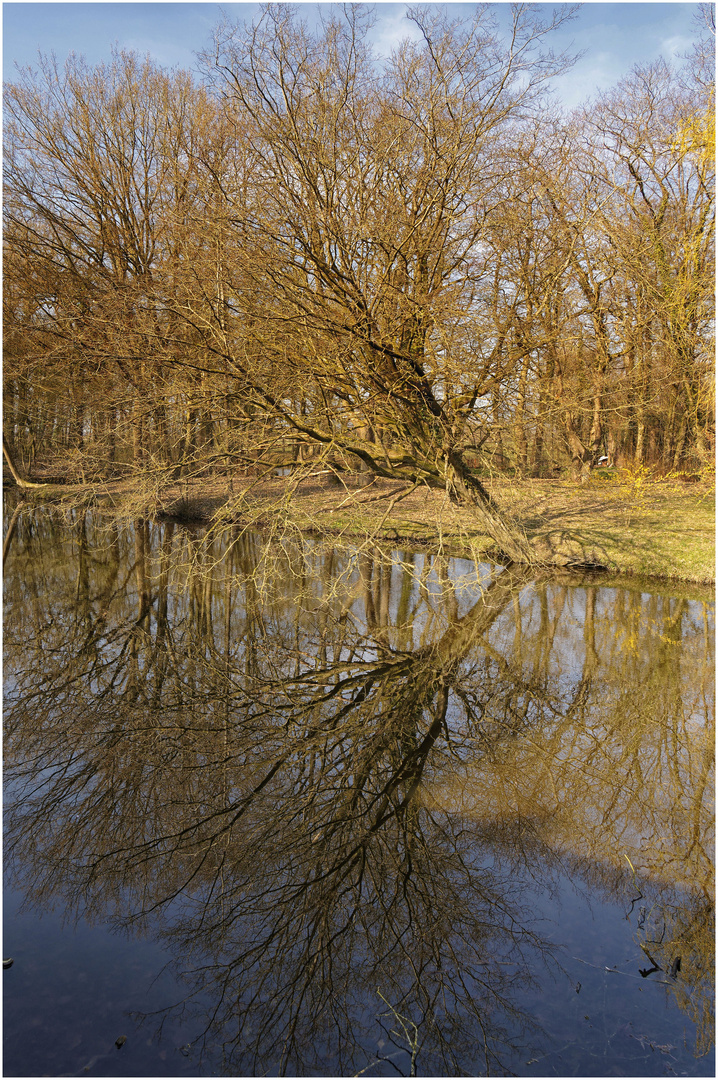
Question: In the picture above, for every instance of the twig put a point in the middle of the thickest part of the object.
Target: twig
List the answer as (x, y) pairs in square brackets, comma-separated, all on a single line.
[(372, 498), (413, 1042), (615, 971), (635, 885), (353, 495), (394, 501)]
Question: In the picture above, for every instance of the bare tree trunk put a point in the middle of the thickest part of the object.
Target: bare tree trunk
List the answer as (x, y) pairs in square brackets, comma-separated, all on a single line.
[(19, 480), (138, 436), (522, 450)]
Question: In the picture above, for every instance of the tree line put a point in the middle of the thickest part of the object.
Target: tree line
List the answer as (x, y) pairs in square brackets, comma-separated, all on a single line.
[(420, 267)]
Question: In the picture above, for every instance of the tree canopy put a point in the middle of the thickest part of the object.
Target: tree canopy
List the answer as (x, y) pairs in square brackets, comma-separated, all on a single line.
[(419, 267)]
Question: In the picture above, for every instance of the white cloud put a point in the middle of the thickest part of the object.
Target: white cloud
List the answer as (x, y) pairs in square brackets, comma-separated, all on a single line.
[(675, 47), (390, 30), (590, 75), (164, 52)]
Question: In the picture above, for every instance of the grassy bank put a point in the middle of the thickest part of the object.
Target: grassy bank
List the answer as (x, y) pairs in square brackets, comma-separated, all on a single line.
[(624, 523)]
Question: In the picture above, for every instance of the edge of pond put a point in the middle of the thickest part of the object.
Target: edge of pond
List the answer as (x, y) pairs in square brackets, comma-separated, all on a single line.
[(388, 535)]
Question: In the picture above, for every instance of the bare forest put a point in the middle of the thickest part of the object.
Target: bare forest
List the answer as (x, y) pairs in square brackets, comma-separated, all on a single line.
[(420, 268)]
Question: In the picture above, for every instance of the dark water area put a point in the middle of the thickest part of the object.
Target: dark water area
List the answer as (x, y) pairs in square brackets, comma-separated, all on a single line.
[(275, 806)]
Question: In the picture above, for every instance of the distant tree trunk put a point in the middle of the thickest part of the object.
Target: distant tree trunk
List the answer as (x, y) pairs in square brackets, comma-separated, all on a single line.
[(580, 454), (680, 440), (138, 446), (640, 436), (520, 440)]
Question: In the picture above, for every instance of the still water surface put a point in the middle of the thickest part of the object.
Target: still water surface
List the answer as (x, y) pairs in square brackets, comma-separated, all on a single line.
[(277, 807)]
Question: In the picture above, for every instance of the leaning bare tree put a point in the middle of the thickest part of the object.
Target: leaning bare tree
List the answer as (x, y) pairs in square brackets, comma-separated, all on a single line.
[(356, 276)]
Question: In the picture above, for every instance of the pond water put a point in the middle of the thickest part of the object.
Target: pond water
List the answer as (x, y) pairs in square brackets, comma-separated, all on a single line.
[(277, 807)]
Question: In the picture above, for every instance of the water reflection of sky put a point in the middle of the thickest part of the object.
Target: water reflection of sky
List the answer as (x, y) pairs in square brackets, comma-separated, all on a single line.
[(464, 786)]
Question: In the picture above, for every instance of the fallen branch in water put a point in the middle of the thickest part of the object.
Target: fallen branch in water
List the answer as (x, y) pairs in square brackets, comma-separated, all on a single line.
[(615, 971)]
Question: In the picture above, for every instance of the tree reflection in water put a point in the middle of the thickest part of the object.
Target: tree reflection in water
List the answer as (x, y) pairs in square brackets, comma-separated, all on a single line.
[(321, 776)]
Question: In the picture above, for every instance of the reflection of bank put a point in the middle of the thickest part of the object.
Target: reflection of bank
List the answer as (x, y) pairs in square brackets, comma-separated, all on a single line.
[(545, 798), (617, 780), (264, 789)]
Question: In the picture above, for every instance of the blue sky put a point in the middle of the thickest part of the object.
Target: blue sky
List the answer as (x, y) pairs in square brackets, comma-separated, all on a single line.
[(613, 37)]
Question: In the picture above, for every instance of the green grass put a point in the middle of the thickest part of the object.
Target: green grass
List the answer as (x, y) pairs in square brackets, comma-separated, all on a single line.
[(628, 523), (664, 529), (651, 529)]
